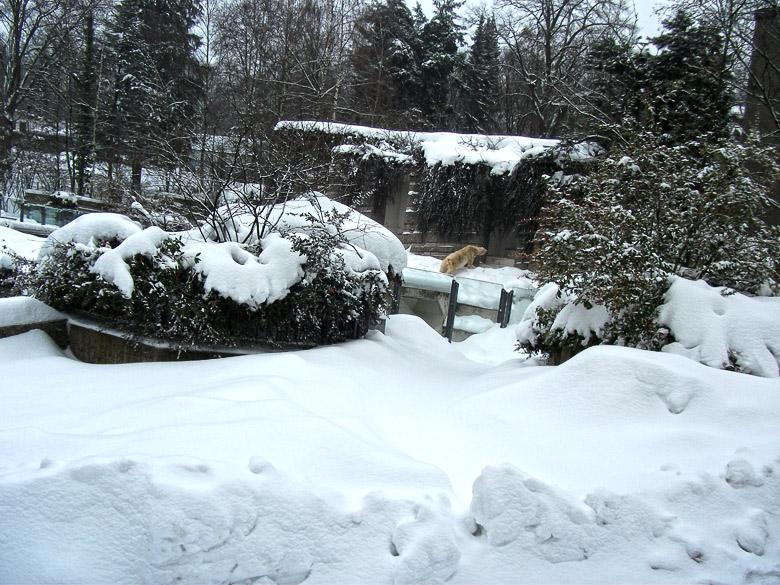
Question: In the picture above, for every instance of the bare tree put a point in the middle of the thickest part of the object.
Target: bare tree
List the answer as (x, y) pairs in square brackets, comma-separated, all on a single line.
[(546, 43), (30, 32)]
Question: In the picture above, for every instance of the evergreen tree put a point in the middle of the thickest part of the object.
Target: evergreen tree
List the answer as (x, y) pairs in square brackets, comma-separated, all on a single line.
[(688, 79), (650, 211), (157, 80), (384, 60), (616, 75), (439, 59), (85, 82), (481, 79)]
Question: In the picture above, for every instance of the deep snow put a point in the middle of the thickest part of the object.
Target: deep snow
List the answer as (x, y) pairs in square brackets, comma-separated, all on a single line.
[(393, 459), (398, 458)]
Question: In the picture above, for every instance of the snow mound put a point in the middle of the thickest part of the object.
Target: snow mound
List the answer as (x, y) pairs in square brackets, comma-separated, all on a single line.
[(112, 264), (190, 521), (359, 230), (24, 245), (371, 244), (234, 273), (89, 229), (719, 330), (26, 310), (391, 459)]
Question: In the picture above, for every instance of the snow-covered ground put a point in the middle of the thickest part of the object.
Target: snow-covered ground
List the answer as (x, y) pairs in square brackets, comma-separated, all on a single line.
[(398, 458)]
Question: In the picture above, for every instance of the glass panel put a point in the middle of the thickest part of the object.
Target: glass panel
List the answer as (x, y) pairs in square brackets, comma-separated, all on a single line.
[(427, 280), (475, 293), (479, 293)]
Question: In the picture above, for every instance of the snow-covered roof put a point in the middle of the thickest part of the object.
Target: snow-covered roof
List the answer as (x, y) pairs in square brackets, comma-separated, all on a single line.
[(500, 152)]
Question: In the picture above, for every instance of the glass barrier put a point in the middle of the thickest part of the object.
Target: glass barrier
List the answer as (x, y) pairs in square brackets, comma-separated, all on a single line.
[(471, 292), (47, 214)]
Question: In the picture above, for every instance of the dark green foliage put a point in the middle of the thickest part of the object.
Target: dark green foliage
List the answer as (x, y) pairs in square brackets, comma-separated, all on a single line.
[(157, 81), (385, 66), (464, 198), (169, 302), (359, 179), (650, 211), (331, 303), (455, 199), (14, 273), (680, 90), (688, 79), (438, 61), (481, 80)]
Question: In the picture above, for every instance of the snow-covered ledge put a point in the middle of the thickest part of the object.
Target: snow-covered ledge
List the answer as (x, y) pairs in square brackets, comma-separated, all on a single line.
[(21, 314)]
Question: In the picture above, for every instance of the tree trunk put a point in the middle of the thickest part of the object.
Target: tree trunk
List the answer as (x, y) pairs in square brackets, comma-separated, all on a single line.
[(135, 177), (6, 146)]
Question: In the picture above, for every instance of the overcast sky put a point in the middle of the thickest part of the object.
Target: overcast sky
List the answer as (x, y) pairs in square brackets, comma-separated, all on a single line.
[(648, 22)]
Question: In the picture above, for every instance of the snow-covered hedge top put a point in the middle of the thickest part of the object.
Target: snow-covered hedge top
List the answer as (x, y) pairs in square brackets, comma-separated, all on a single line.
[(375, 247), (500, 152), (361, 231), (89, 230), (227, 268), (717, 330), (247, 279), (709, 327)]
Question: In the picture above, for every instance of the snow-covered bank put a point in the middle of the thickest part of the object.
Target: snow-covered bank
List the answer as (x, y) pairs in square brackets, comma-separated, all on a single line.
[(375, 460)]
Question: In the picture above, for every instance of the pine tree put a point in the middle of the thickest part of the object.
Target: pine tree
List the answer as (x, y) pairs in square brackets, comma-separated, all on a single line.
[(688, 79), (651, 210), (481, 79), (442, 36), (85, 82), (157, 80), (384, 60)]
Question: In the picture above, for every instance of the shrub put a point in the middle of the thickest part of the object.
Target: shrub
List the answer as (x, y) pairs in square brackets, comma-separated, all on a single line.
[(647, 212), (170, 298)]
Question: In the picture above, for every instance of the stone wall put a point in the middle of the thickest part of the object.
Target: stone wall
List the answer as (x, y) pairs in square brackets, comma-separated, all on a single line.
[(399, 217)]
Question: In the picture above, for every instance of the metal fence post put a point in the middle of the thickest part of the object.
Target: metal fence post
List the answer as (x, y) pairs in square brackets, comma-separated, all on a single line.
[(501, 307), (395, 306), (507, 296), (451, 310)]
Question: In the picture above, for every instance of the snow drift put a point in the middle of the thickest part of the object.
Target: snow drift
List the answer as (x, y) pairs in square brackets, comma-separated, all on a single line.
[(392, 459)]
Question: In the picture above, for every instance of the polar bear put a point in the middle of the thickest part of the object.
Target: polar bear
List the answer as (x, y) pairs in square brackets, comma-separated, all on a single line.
[(464, 256)]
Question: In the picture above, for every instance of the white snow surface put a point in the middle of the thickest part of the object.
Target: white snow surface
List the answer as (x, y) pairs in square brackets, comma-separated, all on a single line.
[(392, 459), (500, 152), (25, 311), (24, 245), (112, 264), (247, 279), (710, 327), (89, 229)]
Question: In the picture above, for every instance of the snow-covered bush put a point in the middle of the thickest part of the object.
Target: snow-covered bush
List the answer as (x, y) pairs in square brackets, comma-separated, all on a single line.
[(648, 212), (13, 271), (294, 288)]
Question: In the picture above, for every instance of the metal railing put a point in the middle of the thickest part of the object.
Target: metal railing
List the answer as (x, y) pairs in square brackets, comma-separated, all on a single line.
[(492, 300)]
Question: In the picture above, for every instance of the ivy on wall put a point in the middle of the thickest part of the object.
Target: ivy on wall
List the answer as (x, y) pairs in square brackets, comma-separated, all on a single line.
[(461, 199)]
